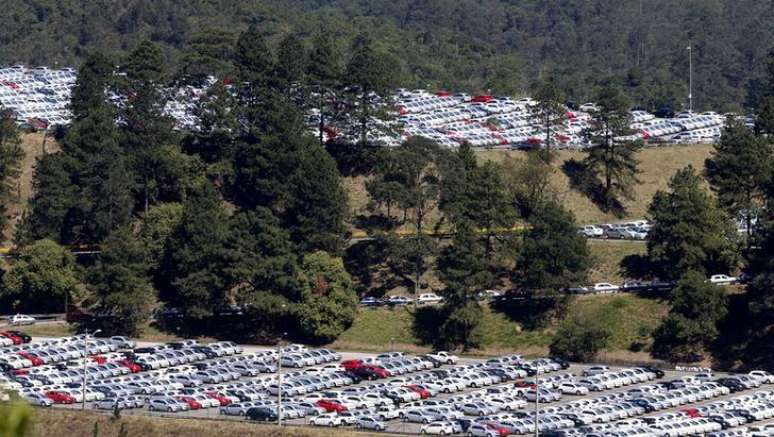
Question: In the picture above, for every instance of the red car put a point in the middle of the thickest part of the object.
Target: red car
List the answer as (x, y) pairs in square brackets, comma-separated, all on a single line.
[(693, 413), (59, 397), (501, 431), (99, 359), (423, 393), (351, 364), (222, 399), (379, 371), (133, 367), (14, 338), (192, 403), (331, 406), (32, 357), (524, 384)]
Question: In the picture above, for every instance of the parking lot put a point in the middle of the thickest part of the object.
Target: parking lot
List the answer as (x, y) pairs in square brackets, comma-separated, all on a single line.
[(393, 392)]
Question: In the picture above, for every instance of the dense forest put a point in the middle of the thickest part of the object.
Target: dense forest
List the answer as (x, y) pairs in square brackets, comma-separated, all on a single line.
[(476, 45)]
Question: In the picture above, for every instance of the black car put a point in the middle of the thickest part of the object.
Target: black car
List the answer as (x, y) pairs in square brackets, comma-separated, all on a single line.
[(502, 374), (644, 404), (356, 379), (145, 350), (464, 424), (732, 384), (440, 374), (262, 414), (530, 371), (208, 352), (436, 363), (654, 370), (561, 362)]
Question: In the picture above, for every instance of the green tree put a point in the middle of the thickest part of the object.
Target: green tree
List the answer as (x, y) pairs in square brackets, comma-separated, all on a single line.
[(328, 301), (463, 265), (94, 79), (120, 284), (191, 275), (580, 339), (611, 158), (372, 73), (292, 62), (760, 294), (692, 324), (316, 209), (11, 156), (155, 228), (147, 134), (689, 231), (764, 121), (549, 112), (210, 53), (551, 257), (42, 278), (462, 327), (528, 183), (262, 273), (738, 172), (323, 73)]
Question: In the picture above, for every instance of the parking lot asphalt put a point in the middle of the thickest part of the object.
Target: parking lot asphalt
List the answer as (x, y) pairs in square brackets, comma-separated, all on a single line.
[(399, 427)]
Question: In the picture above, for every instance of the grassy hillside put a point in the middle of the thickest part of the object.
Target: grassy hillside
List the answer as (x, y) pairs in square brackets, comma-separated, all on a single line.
[(608, 255), (33, 145), (630, 317), (657, 165)]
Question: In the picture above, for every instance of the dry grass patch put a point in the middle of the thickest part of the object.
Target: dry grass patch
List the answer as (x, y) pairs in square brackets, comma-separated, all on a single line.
[(54, 422), (608, 255)]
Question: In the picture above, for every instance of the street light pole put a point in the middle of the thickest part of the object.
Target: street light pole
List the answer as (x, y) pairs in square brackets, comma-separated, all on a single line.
[(537, 401), (85, 360), (279, 383), (690, 77)]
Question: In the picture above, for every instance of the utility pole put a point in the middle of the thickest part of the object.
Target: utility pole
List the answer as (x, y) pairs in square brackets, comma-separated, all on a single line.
[(690, 77), (85, 360)]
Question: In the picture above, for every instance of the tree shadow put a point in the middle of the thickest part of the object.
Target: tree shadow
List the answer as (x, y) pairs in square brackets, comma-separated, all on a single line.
[(354, 159), (374, 222), (531, 310), (426, 324), (583, 180), (740, 345), (364, 260), (636, 267)]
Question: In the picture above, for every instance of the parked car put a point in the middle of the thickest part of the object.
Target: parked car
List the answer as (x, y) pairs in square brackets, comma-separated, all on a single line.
[(22, 319), (723, 279)]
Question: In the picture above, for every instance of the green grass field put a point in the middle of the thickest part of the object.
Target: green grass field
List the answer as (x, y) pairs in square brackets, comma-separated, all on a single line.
[(630, 317)]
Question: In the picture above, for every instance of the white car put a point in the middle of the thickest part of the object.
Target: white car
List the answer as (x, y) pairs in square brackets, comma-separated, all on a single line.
[(591, 231), (21, 319), (723, 279), (366, 422), (605, 287), (437, 428), (429, 298), (762, 375), (572, 388), (326, 420), (445, 357)]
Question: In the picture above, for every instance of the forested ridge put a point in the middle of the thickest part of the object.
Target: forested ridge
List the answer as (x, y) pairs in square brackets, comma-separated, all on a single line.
[(502, 45)]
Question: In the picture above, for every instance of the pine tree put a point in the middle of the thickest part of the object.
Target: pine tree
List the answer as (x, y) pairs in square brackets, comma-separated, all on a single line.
[(691, 326), (291, 63), (147, 134), (549, 111), (323, 73), (94, 79), (738, 172), (191, 275), (372, 73), (690, 232), (612, 158), (119, 279)]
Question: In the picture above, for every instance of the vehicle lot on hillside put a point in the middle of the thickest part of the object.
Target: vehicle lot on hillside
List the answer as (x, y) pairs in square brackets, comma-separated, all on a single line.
[(403, 394)]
